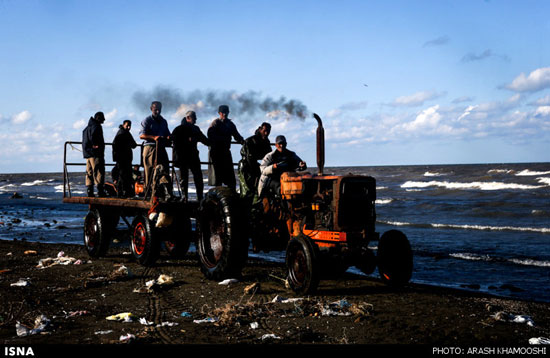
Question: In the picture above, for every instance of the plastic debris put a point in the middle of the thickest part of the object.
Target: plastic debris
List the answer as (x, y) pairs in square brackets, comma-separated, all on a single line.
[(254, 325), (61, 259), (78, 313), (169, 324), (145, 322), (270, 336), (104, 332), (228, 281), (539, 340), (206, 320), (186, 314), (60, 254), (162, 280), (279, 299), (20, 283), (30, 252), (165, 280), (127, 338), (509, 317), (125, 317), (41, 323)]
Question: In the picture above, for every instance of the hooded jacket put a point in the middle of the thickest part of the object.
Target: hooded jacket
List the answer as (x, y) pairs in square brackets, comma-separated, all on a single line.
[(92, 136), (123, 145)]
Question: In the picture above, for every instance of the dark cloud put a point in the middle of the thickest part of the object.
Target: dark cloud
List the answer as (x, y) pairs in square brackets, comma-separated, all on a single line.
[(471, 57), (442, 40)]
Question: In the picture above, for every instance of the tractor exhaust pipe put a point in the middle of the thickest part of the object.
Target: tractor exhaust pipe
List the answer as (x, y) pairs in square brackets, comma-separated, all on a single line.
[(320, 144)]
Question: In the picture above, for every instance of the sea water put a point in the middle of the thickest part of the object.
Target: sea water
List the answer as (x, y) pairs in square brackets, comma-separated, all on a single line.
[(481, 227)]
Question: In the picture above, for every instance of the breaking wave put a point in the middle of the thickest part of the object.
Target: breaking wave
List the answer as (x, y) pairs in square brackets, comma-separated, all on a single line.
[(544, 181), (501, 171), (430, 174), (383, 201), (472, 185), (478, 257), (543, 230), (528, 172), (37, 182)]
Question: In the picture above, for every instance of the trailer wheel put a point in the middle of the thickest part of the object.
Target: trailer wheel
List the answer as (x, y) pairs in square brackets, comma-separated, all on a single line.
[(395, 261), (144, 244), (97, 233), (221, 244), (180, 237), (302, 264)]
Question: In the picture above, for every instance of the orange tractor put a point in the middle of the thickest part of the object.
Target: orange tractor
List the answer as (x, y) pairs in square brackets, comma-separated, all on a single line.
[(324, 222)]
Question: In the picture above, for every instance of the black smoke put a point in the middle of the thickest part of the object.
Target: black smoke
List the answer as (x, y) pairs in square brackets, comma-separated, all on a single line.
[(241, 105)]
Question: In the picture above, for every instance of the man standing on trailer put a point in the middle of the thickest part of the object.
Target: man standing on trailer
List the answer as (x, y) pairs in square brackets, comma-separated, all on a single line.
[(186, 155), (122, 155), (220, 132), (154, 131), (93, 149), (254, 148)]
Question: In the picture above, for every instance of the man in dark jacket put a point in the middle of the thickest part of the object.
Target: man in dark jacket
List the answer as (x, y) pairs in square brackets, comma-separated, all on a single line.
[(220, 132), (122, 155), (254, 148), (93, 149), (186, 155)]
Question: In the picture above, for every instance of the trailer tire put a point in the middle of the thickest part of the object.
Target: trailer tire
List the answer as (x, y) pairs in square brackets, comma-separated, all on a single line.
[(221, 244), (394, 257), (97, 233), (302, 263), (143, 242)]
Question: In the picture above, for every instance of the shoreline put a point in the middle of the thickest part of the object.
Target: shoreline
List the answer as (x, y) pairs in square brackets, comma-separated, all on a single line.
[(76, 299)]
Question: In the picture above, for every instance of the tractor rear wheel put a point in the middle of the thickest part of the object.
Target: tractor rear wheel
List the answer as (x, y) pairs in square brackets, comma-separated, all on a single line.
[(144, 244), (98, 229), (395, 261), (222, 244), (302, 263)]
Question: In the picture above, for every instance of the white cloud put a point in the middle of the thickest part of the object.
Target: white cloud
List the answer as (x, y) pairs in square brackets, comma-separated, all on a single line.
[(80, 124), (543, 111), (110, 117), (21, 117), (416, 99), (428, 118), (537, 80)]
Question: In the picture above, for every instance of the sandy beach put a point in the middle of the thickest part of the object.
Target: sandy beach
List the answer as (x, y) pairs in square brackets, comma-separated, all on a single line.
[(55, 294)]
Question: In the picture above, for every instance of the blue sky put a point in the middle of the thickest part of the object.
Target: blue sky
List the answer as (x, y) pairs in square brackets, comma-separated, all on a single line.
[(396, 82)]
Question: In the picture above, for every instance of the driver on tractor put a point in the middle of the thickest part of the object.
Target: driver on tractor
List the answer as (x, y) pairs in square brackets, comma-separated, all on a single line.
[(276, 163)]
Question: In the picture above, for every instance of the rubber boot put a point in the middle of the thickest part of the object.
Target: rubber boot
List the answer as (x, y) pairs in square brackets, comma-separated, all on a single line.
[(90, 189)]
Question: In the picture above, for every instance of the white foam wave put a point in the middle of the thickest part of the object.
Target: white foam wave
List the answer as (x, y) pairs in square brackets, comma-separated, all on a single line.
[(478, 257), (469, 256), (543, 230), (430, 174), (544, 181), (7, 187), (37, 182), (383, 201), (527, 172), (472, 185)]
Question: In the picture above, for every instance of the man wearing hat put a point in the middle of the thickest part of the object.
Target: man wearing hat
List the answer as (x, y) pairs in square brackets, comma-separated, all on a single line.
[(219, 134), (276, 163), (186, 155), (93, 149)]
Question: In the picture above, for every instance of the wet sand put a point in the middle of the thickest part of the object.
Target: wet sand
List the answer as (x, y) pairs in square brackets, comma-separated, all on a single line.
[(76, 299)]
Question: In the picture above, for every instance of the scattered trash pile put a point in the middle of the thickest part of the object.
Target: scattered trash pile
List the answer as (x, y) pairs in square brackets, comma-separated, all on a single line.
[(61, 259), (244, 314)]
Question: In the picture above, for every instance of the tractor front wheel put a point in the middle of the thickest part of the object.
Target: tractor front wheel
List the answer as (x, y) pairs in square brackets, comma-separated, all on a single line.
[(302, 264)]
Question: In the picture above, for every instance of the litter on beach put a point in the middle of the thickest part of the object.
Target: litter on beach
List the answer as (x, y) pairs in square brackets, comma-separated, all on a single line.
[(104, 332), (186, 314), (162, 280), (539, 340), (509, 317), (279, 299), (125, 317), (228, 281), (145, 322), (20, 283), (61, 259), (41, 323), (128, 337), (270, 336), (206, 320), (254, 325)]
